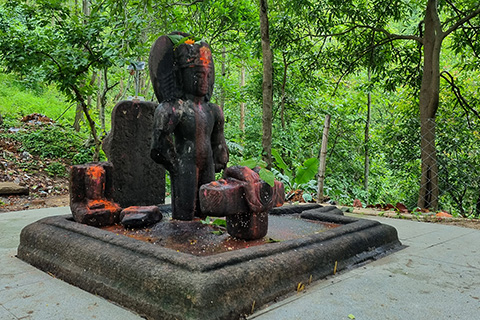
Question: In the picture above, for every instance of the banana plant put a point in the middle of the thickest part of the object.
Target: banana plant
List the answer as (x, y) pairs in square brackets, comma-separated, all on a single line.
[(304, 174)]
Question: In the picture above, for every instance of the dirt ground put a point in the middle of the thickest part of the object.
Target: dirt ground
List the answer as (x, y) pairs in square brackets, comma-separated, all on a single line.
[(18, 203), (460, 222)]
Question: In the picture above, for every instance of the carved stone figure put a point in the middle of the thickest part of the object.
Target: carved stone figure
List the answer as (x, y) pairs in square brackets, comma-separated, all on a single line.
[(244, 199), (91, 192), (188, 137)]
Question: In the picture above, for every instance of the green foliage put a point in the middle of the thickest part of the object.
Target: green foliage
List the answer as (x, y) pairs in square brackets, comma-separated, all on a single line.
[(18, 100), (221, 223), (321, 52), (51, 142), (304, 174), (56, 169)]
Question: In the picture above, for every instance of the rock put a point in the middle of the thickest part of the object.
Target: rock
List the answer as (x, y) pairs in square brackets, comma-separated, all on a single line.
[(443, 214), (9, 188), (357, 203), (401, 207), (137, 179), (140, 216)]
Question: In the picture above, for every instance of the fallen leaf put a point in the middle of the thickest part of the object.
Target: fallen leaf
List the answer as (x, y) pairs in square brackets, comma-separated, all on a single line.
[(443, 215), (300, 286)]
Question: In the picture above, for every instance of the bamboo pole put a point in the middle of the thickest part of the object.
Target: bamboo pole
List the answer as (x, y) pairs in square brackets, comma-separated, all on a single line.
[(322, 160)]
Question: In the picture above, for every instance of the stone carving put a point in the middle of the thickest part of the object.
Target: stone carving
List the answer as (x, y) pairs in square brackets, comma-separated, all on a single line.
[(91, 192), (244, 199), (188, 135), (137, 179)]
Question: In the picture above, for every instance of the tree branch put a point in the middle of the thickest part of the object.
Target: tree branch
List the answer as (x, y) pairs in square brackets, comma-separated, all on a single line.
[(183, 4), (392, 36), (51, 58), (460, 22), (456, 90)]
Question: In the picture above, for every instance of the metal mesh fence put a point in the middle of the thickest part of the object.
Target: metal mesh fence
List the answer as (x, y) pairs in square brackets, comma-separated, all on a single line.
[(395, 147)]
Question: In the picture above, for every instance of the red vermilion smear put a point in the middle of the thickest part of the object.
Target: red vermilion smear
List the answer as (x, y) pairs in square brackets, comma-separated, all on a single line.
[(101, 204), (95, 172), (205, 55)]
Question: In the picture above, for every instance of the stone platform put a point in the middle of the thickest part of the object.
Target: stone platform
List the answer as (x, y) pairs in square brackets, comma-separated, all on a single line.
[(161, 283)]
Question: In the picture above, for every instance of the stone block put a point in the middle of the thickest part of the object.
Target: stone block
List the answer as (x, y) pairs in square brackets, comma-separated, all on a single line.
[(140, 216), (10, 188), (137, 179)]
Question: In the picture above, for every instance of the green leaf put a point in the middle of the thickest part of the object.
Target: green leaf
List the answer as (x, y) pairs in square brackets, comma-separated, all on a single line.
[(351, 316), (251, 163), (270, 240), (281, 163), (267, 176), (307, 172), (220, 222), (177, 38), (307, 197)]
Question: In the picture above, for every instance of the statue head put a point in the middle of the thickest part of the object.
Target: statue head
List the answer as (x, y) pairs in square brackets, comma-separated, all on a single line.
[(194, 68), (177, 70)]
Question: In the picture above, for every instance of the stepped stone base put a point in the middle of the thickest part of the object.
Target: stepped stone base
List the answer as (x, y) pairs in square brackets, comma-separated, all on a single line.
[(161, 283)]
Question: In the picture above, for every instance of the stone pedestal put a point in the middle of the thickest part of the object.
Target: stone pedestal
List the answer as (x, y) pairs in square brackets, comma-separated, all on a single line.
[(162, 283)]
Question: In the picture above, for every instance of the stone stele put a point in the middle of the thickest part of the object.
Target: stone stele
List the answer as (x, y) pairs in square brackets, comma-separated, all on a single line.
[(137, 179)]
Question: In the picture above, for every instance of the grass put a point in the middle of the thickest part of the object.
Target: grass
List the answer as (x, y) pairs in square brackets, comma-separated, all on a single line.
[(17, 99), (52, 141)]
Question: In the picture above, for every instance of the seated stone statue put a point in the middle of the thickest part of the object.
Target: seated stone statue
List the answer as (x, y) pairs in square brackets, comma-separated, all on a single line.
[(188, 137)]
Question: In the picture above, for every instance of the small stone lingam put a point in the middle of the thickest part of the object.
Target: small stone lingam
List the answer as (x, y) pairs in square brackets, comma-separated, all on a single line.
[(244, 199)]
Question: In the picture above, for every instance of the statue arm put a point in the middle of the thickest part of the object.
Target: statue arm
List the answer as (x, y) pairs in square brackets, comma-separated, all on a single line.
[(163, 149), (219, 146)]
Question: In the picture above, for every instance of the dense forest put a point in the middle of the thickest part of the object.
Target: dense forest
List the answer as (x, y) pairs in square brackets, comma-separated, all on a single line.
[(399, 80)]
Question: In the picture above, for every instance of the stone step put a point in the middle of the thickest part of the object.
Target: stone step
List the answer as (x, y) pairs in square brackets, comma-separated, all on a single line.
[(10, 188)]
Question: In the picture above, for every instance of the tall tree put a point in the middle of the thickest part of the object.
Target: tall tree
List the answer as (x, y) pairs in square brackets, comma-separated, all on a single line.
[(267, 86), (66, 47), (353, 22)]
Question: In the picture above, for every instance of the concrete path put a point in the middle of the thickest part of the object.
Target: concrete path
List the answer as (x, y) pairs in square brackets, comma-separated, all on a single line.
[(28, 293), (436, 277)]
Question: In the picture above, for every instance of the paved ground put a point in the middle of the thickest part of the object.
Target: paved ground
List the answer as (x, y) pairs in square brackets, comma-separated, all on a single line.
[(436, 277)]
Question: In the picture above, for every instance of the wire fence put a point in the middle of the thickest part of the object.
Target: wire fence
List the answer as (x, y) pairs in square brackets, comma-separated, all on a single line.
[(395, 147)]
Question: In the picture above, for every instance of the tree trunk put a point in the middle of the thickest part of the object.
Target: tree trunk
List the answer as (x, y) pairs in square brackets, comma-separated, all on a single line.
[(323, 160), (242, 104), (78, 117), (93, 130), (222, 87), (284, 84), (120, 92), (428, 104), (367, 138), (267, 85), (477, 207)]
